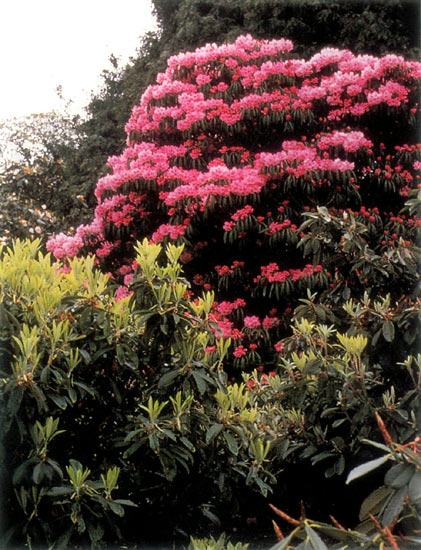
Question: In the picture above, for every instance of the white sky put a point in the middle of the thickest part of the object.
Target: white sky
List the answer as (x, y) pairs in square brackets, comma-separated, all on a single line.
[(46, 43)]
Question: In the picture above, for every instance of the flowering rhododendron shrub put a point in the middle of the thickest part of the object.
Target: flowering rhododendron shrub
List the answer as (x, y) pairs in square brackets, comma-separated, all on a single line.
[(279, 175)]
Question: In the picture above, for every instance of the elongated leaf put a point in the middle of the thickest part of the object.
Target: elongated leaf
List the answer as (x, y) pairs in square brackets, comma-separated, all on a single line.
[(38, 473), (200, 381), (59, 400), (284, 544), (210, 515), (14, 401), (232, 444), (84, 387), (169, 434), (333, 532), (213, 431), (63, 540), (86, 356), (376, 444), (125, 502), (60, 491), (167, 378), (188, 444), (116, 508), (96, 532), (321, 456), (373, 502), (388, 330), (264, 487), (394, 508), (19, 473), (316, 541), (414, 488), (399, 475), (365, 468)]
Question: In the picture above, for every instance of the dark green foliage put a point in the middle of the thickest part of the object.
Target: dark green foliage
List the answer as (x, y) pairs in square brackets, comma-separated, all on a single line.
[(377, 27), (110, 404)]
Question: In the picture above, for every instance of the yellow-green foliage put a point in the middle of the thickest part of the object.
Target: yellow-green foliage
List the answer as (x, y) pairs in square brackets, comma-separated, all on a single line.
[(109, 396)]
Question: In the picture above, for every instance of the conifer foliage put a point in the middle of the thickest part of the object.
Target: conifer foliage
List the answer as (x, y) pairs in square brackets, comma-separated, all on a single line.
[(279, 175)]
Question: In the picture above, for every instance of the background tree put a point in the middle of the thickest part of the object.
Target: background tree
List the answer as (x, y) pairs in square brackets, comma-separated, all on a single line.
[(37, 199)]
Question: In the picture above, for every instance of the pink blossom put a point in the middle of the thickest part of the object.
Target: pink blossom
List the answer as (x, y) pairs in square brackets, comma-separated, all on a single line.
[(121, 293), (240, 351), (251, 321)]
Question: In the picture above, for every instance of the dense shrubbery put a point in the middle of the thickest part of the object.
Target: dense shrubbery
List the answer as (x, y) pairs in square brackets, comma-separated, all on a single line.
[(270, 349), (137, 387)]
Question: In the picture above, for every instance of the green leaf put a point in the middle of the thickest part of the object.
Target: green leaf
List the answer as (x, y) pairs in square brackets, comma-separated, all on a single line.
[(200, 381), (414, 488), (333, 532), (316, 541), (284, 544), (376, 444), (399, 475), (38, 473), (169, 434), (86, 356), (376, 337), (125, 502), (395, 506), (365, 468), (59, 400), (14, 401), (388, 331), (121, 357), (321, 456), (60, 491), (19, 473), (264, 487), (213, 431), (72, 395), (96, 532), (188, 444), (167, 378), (373, 502), (116, 508), (338, 422), (232, 444), (63, 540), (84, 387), (210, 515)]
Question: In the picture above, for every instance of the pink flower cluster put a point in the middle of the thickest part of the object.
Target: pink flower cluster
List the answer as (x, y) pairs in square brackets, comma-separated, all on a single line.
[(274, 227), (218, 181), (226, 308), (173, 231), (298, 158), (251, 321), (223, 270), (356, 85), (272, 274), (242, 213), (350, 141)]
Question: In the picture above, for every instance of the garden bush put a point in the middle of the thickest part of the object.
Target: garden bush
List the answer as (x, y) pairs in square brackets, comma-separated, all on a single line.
[(279, 175)]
